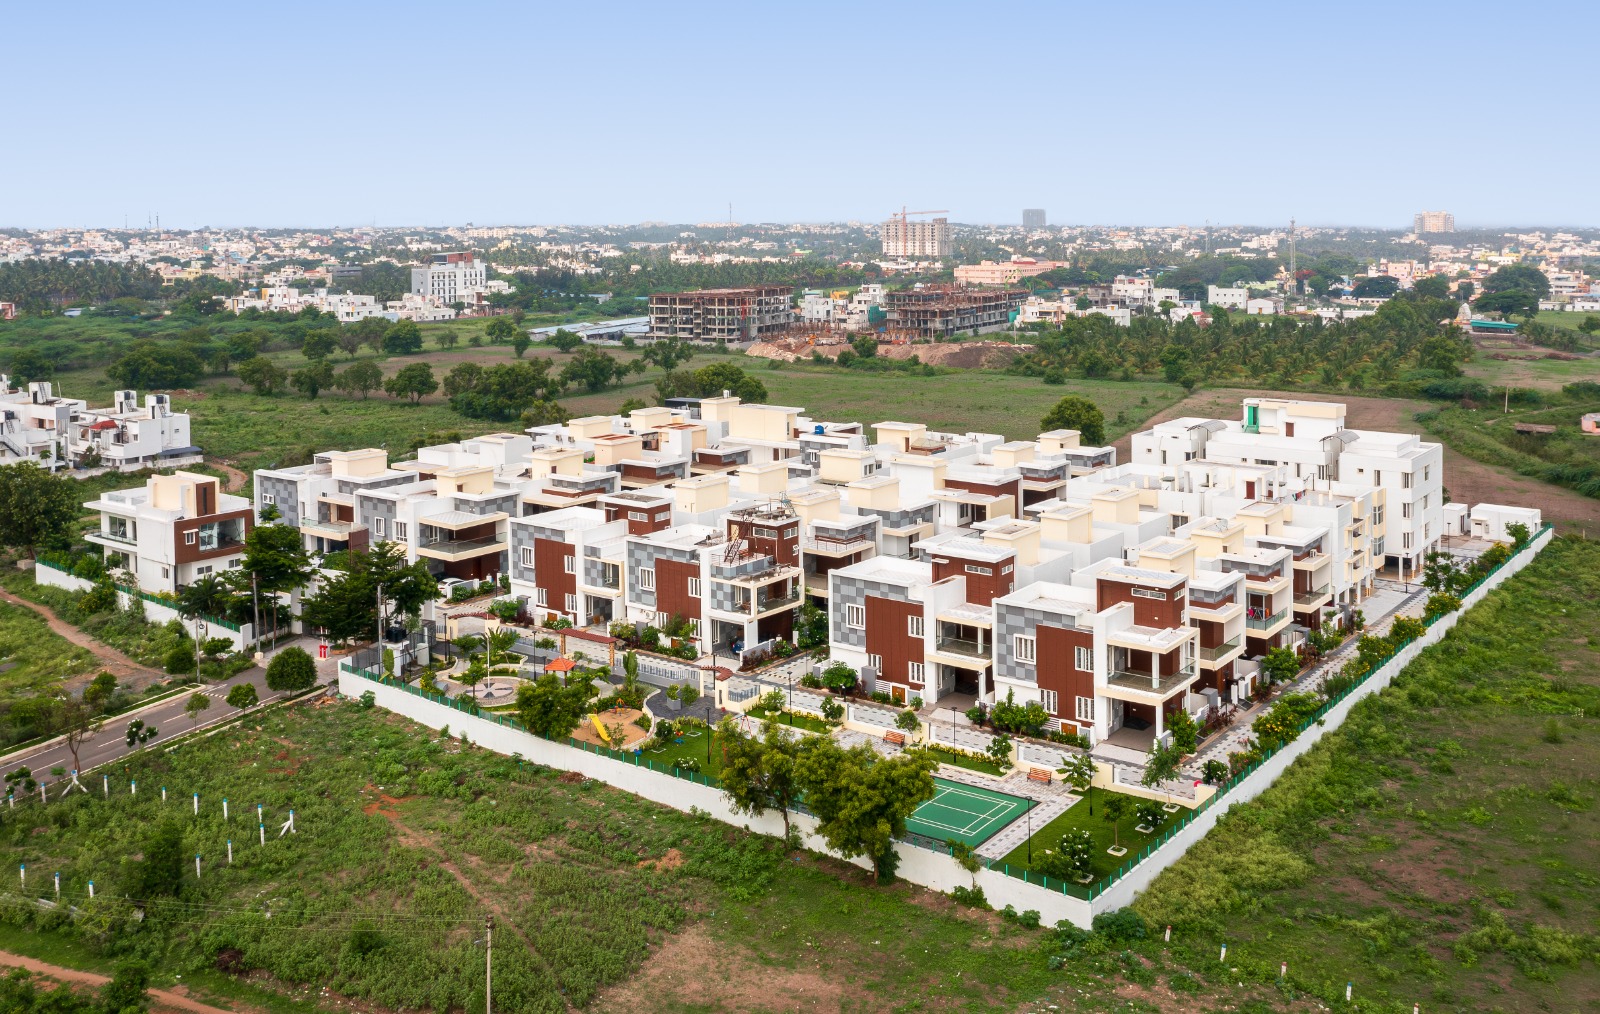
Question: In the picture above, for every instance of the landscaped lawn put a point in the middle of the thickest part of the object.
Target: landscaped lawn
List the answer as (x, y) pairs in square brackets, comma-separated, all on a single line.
[(693, 745), (797, 719), (960, 760), (1078, 818)]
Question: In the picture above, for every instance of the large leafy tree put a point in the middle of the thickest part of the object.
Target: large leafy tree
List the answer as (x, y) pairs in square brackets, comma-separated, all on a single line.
[(360, 378), (1081, 414), (291, 669), (414, 381), (1518, 278), (761, 773), (262, 374), (861, 800), (37, 507), (276, 556), (547, 708), (164, 365), (403, 338)]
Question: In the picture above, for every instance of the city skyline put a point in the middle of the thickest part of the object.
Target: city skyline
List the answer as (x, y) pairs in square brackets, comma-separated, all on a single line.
[(549, 119)]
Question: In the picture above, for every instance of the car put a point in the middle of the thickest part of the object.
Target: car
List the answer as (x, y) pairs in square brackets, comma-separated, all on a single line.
[(448, 585)]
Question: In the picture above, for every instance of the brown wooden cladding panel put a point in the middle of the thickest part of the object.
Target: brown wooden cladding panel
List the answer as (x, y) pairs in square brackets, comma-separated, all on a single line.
[(887, 626), (982, 589), (182, 552), (1056, 649), (672, 589), (1159, 613), (549, 572)]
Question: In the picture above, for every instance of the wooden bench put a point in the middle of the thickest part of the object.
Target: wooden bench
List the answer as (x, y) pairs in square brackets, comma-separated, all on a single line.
[(1039, 775), (897, 738)]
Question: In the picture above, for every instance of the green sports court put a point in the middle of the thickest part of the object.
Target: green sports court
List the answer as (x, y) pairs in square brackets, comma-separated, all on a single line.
[(965, 812)]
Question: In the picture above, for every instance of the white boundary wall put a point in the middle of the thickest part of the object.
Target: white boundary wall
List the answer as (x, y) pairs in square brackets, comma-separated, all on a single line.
[(918, 865), (1123, 892), (155, 612)]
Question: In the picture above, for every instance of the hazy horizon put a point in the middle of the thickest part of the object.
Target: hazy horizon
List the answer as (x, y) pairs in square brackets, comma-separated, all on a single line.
[(614, 112)]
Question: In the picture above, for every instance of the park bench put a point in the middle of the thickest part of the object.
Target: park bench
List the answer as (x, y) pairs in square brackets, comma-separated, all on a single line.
[(1039, 775), (896, 738)]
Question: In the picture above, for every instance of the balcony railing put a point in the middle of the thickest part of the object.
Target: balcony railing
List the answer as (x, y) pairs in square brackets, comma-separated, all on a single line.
[(116, 537), (1265, 622), (962, 646), (1145, 681), (765, 602), (457, 547), (852, 544), (1311, 598), (1215, 652)]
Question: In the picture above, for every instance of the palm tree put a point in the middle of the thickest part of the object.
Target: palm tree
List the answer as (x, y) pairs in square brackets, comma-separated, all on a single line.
[(502, 640), (208, 596)]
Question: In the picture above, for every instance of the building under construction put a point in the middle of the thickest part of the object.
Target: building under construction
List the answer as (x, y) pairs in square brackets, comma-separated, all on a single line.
[(721, 315), (944, 311)]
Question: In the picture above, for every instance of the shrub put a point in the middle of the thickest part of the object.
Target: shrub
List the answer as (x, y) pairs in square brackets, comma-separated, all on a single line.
[(1122, 926), (969, 896), (243, 696), (99, 599), (179, 660), (1440, 603), (291, 669), (1214, 772), (1185, 732)]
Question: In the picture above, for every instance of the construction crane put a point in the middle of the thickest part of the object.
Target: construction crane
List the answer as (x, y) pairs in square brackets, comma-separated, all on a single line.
[(903, 214)]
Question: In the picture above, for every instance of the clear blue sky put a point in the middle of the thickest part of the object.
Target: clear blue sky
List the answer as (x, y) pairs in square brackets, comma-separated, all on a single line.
[(592, 112)]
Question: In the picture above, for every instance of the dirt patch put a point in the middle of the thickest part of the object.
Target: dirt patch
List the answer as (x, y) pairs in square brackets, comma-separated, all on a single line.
[(973, 355), (1468, 481), (671, 861), (571, 778), (691, 969)]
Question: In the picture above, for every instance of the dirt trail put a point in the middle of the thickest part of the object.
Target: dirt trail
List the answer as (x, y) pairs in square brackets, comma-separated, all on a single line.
[(236, 478), (128, 672), (385, 805), (164, 999), (1468, 481)]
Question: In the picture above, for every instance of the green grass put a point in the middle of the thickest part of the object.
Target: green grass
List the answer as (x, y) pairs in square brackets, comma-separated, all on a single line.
[(1439, 846), (961, 401), (692, 747), (798, 719), (1077, 818), (962, 760), (145, 642), (40, 660)]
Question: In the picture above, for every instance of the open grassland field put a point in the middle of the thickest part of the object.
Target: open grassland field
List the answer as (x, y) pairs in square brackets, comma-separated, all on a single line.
[(406, 842), (1439, 848), (1523, 365), (961, 401), (34, 660), (1568, 456), (1470, 474)]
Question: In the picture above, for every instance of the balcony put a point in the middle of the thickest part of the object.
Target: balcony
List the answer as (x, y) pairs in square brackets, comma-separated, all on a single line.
[(460, 549), (1312, 599), (114, 537), (1161, 685), (962, 646), (1216, 653), (339, 531), (837, 547), (1266, 622), (1314, 561)]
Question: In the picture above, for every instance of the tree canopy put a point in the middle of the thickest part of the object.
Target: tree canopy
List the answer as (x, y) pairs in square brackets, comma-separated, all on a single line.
[(37, 507), (1081, 414)]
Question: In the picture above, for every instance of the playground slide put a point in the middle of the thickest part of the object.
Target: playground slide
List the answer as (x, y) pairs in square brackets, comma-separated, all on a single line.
[(600, 728)]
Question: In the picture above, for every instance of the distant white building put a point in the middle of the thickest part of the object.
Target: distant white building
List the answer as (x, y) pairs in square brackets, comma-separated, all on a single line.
[(37, 425), (1233, 299), (449, 278)]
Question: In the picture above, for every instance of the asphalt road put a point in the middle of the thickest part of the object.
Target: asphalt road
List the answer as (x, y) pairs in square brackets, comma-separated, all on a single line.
[(111, 745)]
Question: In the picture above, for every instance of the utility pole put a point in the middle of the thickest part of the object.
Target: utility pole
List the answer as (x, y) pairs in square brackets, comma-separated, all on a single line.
[(379, 646), (488, 964)]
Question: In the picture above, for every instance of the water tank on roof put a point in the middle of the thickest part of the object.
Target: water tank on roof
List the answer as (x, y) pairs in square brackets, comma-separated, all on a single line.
[(818, 429)]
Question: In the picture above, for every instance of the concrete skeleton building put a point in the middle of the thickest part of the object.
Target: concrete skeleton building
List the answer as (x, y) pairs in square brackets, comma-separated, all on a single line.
[(951, 567), (721, 315)]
